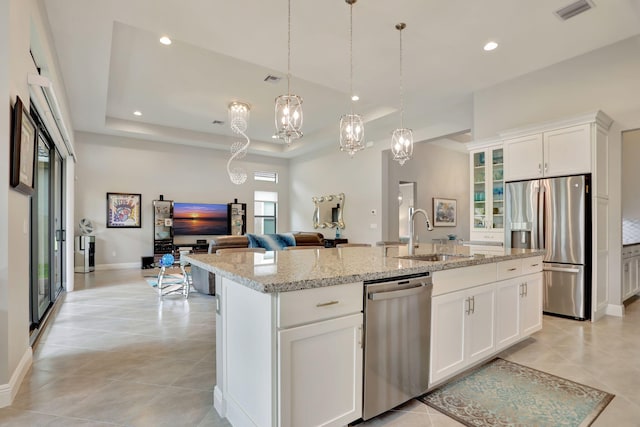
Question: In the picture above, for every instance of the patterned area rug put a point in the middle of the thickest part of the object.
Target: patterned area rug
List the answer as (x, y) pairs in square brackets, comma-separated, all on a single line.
[(502, 393)]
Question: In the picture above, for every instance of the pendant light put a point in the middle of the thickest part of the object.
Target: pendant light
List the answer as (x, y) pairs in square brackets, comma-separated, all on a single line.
[(351, 125), (402, 139), (288, 107), (238, 120)]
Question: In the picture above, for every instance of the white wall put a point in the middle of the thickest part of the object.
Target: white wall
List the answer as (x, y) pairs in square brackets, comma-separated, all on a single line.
[(605, 79), (370, 182), (4, 192), (364, 179), (17, 18), (331, 172), (438, 172), (180, 173)]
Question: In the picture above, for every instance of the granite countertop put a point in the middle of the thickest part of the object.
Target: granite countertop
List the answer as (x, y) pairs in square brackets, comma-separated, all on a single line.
[(282, 271)]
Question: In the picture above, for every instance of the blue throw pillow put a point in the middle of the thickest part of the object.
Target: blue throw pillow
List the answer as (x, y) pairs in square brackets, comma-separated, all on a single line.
[(271, 242)]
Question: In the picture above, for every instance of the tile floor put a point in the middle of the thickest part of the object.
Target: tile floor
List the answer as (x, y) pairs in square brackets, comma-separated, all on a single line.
[(113, 355)]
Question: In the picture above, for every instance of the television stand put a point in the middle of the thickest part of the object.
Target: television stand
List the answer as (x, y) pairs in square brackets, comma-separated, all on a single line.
[(195, 248)]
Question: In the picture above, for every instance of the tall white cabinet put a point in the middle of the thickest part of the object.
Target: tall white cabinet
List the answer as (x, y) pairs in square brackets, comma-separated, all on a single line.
[(487, 193)]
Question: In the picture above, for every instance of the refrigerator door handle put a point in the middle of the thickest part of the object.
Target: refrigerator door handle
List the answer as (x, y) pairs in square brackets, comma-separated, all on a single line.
[(541, 224), (562, 270)]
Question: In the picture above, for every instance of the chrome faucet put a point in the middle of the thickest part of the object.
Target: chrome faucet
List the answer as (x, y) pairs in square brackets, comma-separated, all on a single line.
[(412, 214)]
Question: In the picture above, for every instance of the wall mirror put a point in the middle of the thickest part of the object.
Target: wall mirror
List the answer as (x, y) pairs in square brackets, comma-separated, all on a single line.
[(328, 211)]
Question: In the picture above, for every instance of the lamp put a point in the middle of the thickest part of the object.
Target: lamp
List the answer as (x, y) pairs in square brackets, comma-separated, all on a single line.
[(288, 107), (238, 120), (351, 125), (402, 139)]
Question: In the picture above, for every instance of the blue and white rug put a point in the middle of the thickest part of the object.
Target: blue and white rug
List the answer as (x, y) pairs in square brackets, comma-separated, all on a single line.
[(503, 393)]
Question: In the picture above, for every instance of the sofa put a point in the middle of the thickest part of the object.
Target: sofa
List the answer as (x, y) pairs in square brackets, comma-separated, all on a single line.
[(300, 238), (204, 281)]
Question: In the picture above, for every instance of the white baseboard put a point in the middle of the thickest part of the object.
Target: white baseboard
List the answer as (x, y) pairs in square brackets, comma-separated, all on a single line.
[(120, 266), (218, 402), (8, 391), (615, 310)]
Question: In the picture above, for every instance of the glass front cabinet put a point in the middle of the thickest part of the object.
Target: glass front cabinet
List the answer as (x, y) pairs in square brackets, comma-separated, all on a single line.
[(487, 194)]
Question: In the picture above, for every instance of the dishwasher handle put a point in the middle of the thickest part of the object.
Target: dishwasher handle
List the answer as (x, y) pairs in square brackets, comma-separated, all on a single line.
[(378, 296)]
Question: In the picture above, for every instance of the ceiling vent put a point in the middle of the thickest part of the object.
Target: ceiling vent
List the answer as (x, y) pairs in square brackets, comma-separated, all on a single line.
[(272, 79), (218, 122), (575, 8)]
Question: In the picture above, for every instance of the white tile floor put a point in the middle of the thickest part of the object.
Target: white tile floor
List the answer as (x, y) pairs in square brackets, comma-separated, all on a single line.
[(114, 355)]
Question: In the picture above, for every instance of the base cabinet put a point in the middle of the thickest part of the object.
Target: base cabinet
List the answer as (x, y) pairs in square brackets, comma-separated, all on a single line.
[(630, 271), (531, 304), (472, 324), (290, 359), (461, 330), (320, 369), (518, 309)]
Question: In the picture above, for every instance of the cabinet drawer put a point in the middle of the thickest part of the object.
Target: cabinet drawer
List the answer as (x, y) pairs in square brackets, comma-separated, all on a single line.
[(531, 265), (312, 305), (509, 269)]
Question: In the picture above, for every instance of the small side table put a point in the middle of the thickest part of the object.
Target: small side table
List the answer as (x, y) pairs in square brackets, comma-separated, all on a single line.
[(331, 243)]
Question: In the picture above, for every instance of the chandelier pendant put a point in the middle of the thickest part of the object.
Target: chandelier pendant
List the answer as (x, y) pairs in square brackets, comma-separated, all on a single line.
[(402, 138), (351, 125), (239, 121), (288, 111), (351, 133), (402, 145), (288, 117)]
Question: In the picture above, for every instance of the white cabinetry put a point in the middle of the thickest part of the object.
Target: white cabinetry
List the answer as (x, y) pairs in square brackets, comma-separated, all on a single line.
[(320, 363), (320, 372), (496, 308), (461, 330), (558, 152), (487, 194), (630, 271), (519, 309), (291, 358)]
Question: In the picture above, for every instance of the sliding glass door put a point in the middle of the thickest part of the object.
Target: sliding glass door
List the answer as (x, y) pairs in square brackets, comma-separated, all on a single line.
[(41, 232), (47, 232)]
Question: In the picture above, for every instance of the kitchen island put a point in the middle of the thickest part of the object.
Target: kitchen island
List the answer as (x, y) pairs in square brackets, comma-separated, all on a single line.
[(289, 324)]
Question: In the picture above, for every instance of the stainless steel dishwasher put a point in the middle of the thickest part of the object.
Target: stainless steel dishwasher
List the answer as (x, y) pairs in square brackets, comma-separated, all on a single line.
[(397, 318)]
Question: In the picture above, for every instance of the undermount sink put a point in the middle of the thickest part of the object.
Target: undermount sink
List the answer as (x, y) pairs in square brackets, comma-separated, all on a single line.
[(434, 257)]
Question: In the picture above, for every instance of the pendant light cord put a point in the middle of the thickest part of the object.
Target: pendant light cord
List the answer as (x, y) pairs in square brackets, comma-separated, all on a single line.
[(289, 50), (400, 28), (351, 55)]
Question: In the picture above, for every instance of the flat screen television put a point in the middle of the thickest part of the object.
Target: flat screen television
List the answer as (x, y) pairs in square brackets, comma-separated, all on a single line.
[(199, 219)]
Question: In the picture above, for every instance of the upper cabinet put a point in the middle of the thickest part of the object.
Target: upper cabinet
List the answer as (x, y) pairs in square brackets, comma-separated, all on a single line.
[(487, 194), (558, 152)]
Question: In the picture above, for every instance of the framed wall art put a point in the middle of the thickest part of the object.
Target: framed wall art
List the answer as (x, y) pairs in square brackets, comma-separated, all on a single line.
[(444, 212), (23, 148), (123, 210)]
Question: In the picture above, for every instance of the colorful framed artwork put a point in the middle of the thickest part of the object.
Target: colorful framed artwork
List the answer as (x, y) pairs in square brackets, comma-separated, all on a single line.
[(123, 210), (23, 149), (444, 212)]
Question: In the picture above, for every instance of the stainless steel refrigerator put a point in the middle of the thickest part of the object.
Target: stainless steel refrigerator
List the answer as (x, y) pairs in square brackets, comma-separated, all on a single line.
[(555, 214)]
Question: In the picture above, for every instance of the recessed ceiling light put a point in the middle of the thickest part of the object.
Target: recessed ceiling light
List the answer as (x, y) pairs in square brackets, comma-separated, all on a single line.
[(137, 113), (355, 98), (490, 46), (165, 40)]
